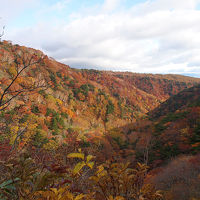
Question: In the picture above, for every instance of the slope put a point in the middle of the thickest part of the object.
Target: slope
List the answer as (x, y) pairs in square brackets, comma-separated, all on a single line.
[(83, 102), (172, 129)]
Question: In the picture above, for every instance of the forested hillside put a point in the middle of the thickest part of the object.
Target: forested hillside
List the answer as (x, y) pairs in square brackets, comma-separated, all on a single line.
[(169, 130), (63, 100), (53, 116)]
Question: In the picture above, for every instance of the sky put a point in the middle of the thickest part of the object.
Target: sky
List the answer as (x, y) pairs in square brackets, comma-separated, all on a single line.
[(145, 36)]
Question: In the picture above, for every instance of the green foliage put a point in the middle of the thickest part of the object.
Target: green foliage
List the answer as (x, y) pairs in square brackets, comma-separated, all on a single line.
[(139, 155), (24, 118), (41, 92), (85, 144), (84, 89), (101, 92), (171, 117), (56, 120), (116, 95), (165, 151), (91, 87), (2, 114), (8, 189), (66, 78), (195, 103), (65, 115), (50, 111), (24, 179), (53, 78), (59, 74), (54, 124), (159, 127), (120, 143), (169, 151), (70, 130), (55, 133), (39, 139), (110, 107), (92, 71), (174, 116), (20, 176), (34, 109), (196, 134), (70, 97), (195, 139), (12, 112), (71, 83), (76, 91)]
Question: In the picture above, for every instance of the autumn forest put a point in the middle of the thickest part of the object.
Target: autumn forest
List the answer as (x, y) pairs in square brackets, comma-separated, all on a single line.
[(83, 134)]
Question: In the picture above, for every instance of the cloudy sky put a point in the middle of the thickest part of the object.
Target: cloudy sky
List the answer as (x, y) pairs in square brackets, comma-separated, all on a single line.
[(147, 36)]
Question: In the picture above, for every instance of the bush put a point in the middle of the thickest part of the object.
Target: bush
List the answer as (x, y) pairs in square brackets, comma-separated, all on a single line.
[(39, 140), (35, 109), (110, 108), (59, 74)]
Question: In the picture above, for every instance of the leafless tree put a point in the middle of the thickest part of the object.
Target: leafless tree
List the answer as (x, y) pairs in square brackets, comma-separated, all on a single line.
[(2, 33), (22, 61)]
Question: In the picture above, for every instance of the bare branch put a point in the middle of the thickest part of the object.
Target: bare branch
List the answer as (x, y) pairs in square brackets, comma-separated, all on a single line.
[(22, 62), (2, 33), (19, 134)]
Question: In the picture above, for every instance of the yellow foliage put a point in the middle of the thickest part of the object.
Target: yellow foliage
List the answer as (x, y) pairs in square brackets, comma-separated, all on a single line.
[(51, 99), (86, 161), (78, 167), (13, 133), (30, 80), (30, 125), (184, 131), (57, 194), (12, 70), (116, 179), (51, 145), (76, 155), (59, 102), (116, 198), (43, 133), (24, 130)]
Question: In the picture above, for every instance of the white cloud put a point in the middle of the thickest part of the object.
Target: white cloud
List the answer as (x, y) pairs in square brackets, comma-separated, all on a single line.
[(110, 5), (155, 5), (160, 36)]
